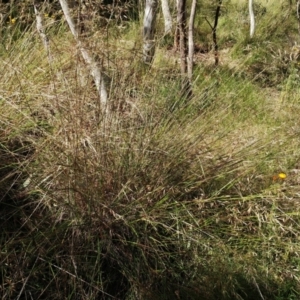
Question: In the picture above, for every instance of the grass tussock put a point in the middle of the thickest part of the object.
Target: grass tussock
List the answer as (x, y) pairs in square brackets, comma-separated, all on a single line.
[(167, 198)]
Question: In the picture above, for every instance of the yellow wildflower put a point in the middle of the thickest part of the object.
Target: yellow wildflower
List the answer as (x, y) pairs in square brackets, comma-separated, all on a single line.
[(282, 175), (279, 176), (12, 20)]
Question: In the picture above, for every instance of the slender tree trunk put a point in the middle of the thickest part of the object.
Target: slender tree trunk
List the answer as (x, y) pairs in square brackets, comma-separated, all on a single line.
[(93, 65), (149, 30), (252, 19), (176, 34), (167, 16), (298, 14), (186, 89), (40, 27), (216, 47), (191, 41), (214, 32), (181, 20)]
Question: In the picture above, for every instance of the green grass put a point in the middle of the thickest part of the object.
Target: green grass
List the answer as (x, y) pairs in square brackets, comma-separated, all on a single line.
[(168, 198)]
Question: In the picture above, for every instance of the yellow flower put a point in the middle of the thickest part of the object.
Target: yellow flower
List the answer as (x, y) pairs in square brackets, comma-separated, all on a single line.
[(279, 176), (12, 20), (46, 15), (282, 175)]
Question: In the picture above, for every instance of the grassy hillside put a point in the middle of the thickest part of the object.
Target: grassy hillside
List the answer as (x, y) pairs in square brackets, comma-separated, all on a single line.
[(168, 197)]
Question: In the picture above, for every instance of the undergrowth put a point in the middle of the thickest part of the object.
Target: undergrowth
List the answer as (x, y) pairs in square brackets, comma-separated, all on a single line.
[(167, 198)]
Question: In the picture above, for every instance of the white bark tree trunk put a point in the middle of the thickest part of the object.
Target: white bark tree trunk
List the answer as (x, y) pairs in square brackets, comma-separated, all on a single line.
[(298, 14), (181, 23), (167, 16), (191, 41), (252, 19), (40, 27), (149, 30), (176, 35), (94, 67)]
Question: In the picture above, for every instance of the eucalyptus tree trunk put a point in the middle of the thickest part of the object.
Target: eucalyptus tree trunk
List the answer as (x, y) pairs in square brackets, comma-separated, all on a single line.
[(191, 41), (167, 16), (40, 26), (92, 64), (216, 47), (252, 19), (181, 23), (176, 34), (149, 30), (186, 88), (298, 14)]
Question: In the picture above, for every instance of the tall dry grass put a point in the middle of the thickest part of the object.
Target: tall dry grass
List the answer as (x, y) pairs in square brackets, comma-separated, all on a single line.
[(166, 199)]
